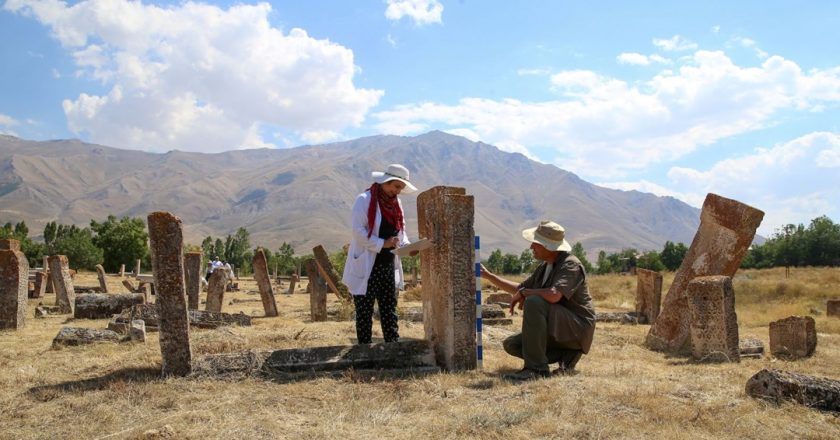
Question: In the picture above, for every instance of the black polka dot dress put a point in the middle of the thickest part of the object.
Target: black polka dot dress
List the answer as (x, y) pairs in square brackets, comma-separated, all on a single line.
[(381, 288)]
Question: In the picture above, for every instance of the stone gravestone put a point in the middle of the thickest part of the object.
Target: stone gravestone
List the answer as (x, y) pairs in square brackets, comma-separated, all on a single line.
[(216, 291), (40, 284), (714, 324), (727, 228), (264, 283), (445, 216), (166, 245), (329, 274), (793, 337), (832, 307), (65, 295), (317, 292), (192, 271), (49, 288), (100, 274), (137, 269), (648, 295), (776, 385), (14, 287), (10, 244)]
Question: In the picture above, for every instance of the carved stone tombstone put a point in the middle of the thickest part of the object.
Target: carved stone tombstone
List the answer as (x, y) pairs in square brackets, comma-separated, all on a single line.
[(14, 288), (727, 228), (329, 274), (65, 295), (793, 337), (264, 283), (100, 274), (192, 270), (445, 216), (648, 295), (40, 284), (166, 245), (216, 291), (714, 324), (832, 307), (137, 268), (317, 292), (10, 244)]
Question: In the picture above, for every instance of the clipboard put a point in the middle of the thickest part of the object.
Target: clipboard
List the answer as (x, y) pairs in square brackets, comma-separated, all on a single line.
[(419, 245)]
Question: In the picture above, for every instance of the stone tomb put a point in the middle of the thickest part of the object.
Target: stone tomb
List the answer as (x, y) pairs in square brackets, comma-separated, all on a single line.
[(192, 276), (648, 295), (14, 286), (794, 337), (260, 263), (714, 325), (832, 307), (65, 294), (317, 292)]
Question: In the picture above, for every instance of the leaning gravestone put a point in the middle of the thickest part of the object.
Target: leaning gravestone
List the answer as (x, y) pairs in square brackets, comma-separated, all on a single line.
[(264, 283), (192, 270), (100, 274), (446, 216), (167, 242), (65, 295), (832, 307), (714, 325), (648, 295), (794, 337), (317, 292), (727, 228), (14, 287), (329, 274)]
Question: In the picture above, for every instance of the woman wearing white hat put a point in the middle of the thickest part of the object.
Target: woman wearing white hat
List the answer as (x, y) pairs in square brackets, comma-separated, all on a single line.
[(372, 272)]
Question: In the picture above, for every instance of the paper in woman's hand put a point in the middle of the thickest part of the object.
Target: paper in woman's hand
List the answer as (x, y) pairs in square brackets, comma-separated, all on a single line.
[(419, 245)]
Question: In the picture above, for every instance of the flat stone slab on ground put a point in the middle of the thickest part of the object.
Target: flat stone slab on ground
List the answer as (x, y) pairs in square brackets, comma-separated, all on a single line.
[(198, 318), (815, 392), (101, 305), (497, 321), (751, 348), (71, 336)]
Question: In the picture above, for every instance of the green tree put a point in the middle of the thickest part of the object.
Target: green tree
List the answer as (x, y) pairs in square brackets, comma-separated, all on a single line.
[(577, 250), (527, 261), (650, 260), (122, 241), (511, 264), (672, 255), (604, 264), (496, 262), (285, 259), (77, 245)]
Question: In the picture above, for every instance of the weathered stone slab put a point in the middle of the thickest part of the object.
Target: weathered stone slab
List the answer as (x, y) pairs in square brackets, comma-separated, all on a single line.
[(727, 228), (413, 314), (317, 292), (137, 331), (751, 348), (122, 270), (166, 245), (83, 336), (832, 307), (9, 244), (216, 291), (100, 274), (118, 327), (714, 324), (264, 283), (14, 287), (293, 280), (497, 321), (44, 311), (499, 298), (149, 313), (794, 337), (492, 311), (40, 284), (405, 355), (329, 274), (648, 295), (192, 271), (620, 317), (62, 283), (446, 216), (776, 385), (100, 305), (129, 285)]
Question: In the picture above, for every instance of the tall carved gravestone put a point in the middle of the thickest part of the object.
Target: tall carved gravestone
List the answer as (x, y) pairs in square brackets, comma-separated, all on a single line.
[(192, 271), (65, 295), (794, 337), (329, 274), (14, 286), (648, 295), (445, 216), (100, 274), (264, 283), (216, 291), (317, 292), (166, 243), (40, 284), (727, 228), (714, 324)]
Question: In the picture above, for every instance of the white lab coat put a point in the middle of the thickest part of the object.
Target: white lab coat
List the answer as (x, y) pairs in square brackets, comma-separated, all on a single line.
[(363, 250)]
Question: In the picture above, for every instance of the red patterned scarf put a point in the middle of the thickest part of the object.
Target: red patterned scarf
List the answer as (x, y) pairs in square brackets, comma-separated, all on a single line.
[(389, 207)]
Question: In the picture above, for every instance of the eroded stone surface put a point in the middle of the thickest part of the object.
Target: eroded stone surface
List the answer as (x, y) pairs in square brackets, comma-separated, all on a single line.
[(648, 295), (264, 283), (100, 275), (100, 305), (832, 307), (317, 292), (62, 282), (14, 288), (793, 337), (216, 291), (329, 274), (815, 392), (192, 276), (727, 228), (714, 324)]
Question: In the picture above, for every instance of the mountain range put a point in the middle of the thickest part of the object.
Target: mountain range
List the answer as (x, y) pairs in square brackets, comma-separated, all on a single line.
[(303, 195)]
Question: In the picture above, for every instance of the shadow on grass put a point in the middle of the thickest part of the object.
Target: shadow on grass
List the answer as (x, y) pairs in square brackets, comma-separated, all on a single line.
[(45, 393)]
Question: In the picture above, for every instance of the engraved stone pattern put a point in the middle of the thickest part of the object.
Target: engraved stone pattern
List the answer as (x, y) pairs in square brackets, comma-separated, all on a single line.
[(815, 392), (793, 337), (216, 291), (445, 215), (14, 288), (167, 244), (648, 295), (832, 307), (726, 230), (81, 336), (317, 292), (264, 283), (40, 284), (100, 305), (714, 324), (330, 275), (9, 244), (192, 271), (65, 295), (502, 297), (100, 274)]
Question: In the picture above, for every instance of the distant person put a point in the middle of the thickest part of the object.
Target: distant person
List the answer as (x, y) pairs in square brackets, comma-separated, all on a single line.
[(372, 272), (209, 271), (558, 320)]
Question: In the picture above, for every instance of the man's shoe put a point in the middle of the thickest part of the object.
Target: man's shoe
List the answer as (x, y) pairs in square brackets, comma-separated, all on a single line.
[(526, 374), (568, 362)]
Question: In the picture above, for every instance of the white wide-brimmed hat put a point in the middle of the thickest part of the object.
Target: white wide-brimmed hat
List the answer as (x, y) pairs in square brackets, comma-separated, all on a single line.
[(394, 171), (549, 234)]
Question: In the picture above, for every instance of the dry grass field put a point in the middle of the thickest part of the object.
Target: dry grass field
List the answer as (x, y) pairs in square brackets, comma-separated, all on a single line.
[(622, 390)]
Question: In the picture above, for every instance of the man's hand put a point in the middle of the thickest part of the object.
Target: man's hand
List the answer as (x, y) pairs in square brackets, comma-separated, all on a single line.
[(518, 299), (483, 271)]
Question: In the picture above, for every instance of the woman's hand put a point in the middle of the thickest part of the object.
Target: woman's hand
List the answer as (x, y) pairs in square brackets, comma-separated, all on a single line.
[(391, 243)]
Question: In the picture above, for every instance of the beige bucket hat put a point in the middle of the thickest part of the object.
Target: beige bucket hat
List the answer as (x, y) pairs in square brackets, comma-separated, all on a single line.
[(394, 171), (549, 234)]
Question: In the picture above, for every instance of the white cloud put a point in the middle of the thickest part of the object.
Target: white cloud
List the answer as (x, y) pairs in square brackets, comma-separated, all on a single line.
[(602, 127), (674, 44), (533, 72), (422, 12), (638, 59), (197, 77), (8, 121)]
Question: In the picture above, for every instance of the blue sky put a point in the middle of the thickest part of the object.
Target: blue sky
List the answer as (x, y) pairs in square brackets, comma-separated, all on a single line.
[(674, 98)]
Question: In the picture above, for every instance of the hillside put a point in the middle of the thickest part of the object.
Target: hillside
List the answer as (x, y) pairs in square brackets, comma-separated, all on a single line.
[(303, 195)]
